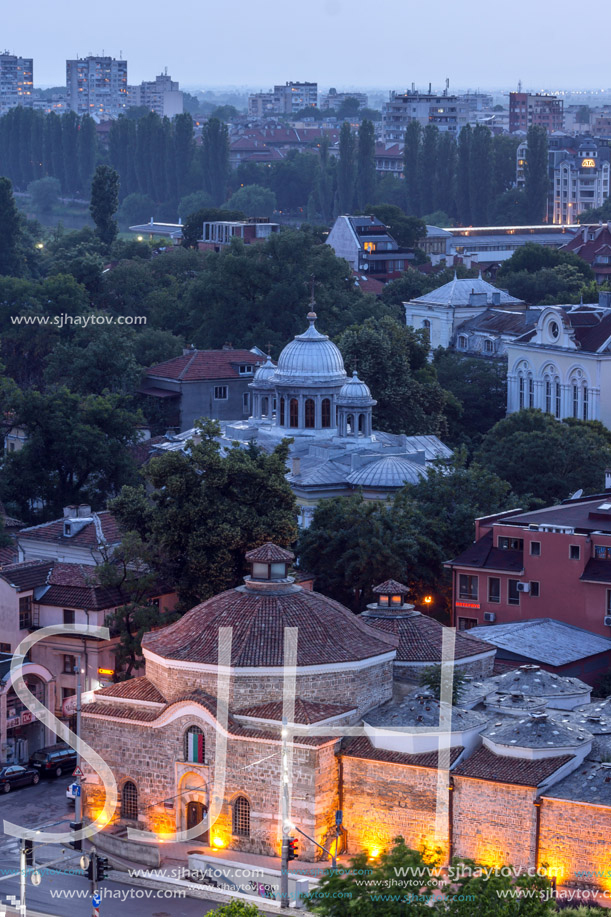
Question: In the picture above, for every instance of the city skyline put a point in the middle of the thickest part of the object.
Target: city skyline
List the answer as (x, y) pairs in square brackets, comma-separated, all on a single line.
[(330, 47)]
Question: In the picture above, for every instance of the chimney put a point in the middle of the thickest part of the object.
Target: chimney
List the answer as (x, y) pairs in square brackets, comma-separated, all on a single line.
[(607, 478), (84, 511), (227, 345), (496, 298), (296, 466), (70, 512), (188, 350), (604, 299), (478, 299)]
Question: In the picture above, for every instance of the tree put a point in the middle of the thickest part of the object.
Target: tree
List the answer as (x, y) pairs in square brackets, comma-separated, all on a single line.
[(480, 175), (504, 149), (480, 387), (366, 164), (75, 451), (341, 893), (542, 275), (584, 113), (135, 208), (236, 909), (104, 203), (44, 193), (348, 108), (191, 203), (445, 187), (346, 169), (193, 225), (427, 168), (352, 544), (411, 160), (207, 510), (431, 678), (253, 200), (215, 159), (536, 181), (478, 890), (546, 459), (392, 359), (10, 236), (463, 176), (406, 230), (98, 359)]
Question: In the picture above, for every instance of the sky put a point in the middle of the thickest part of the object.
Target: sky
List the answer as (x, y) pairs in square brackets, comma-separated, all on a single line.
[(342, 43)]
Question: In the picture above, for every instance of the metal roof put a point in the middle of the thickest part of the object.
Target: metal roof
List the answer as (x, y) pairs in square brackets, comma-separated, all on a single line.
[(457, 293), (545, 640)]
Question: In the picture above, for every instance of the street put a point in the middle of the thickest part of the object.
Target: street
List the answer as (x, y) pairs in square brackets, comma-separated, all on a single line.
[(44, 804)]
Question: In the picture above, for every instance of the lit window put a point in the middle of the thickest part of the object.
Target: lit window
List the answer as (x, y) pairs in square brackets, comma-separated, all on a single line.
[(129, 801)]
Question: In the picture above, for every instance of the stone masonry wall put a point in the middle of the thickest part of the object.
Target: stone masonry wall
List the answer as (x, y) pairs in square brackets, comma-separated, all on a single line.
[(575, 839), (364, 688), (494, 823), (479, 668)]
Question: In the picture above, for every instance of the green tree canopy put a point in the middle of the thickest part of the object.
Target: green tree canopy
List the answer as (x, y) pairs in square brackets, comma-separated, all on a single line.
[(406, 230), (44, 193), (479, 386), (253, 200), (206, 510), (104, 203), (136, 208), (10, 236), (536, 175)]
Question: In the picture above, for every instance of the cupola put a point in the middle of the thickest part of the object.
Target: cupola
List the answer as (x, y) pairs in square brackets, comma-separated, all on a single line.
[(269, 562), (391, 594)]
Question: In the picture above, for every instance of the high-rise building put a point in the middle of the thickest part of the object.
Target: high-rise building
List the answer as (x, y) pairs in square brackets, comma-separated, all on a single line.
[(582, 180), (97, 86), (526, 109), (16, 81), (161, 95), (283, 100), (448, 113)]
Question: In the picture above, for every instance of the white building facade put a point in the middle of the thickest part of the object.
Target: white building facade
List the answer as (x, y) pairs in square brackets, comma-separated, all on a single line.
[(581, 182), (97, 86)]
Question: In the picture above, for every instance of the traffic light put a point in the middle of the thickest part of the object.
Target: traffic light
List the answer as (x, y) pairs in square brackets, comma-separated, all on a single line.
[(293, 848), (29, 851), (102, 868), (91, 868), (76, 826)]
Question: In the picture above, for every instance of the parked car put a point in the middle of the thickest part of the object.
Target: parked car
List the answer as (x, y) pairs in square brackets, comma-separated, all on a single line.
[(54, 760), (14, 775)]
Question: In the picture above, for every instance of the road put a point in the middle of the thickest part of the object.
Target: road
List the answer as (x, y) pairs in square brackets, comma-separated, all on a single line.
[(45, 804)]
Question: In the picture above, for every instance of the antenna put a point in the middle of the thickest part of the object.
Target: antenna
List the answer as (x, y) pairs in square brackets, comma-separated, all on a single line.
[(447, 84), (519, 85), (577, 494)]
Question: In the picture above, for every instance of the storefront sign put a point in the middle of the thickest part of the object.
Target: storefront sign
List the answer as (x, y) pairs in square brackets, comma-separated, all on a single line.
[(69, 706), (12, 722), (26, 717), (467, 605), (588, 164)]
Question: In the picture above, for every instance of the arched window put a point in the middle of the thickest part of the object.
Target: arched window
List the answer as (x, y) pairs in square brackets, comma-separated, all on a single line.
[(310, 417), (326, 413), (195, 745), (575, 400), (282, 412), (349, 424), (361, 424), (241, 817), (557, 399), (129, 801), (427, 328), (531, 392), (293, 413), (585, 402), (521, 385), (264, 406), (548, 396)]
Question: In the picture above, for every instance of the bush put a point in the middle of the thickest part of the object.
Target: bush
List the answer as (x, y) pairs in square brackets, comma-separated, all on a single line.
[(44, 193)]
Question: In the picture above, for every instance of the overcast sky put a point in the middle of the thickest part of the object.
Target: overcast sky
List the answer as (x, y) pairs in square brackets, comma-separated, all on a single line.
[(351, 43)]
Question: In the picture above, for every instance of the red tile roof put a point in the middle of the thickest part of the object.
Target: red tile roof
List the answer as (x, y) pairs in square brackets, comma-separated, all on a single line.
[(27, 575), (54, 531), (390, 585), (8, 555), (420, 637), (362, 748), (135, 689), (485, 765), (269, 553), (205, 364), (305, 711), (328, 633)]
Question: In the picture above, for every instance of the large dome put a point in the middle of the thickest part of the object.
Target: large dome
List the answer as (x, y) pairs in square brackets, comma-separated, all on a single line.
[(388, 471), (311, 358)]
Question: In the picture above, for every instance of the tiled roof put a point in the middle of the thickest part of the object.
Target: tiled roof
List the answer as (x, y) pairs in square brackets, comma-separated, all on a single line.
[(391, 585), (482, 554), (498, 321), (420, 637), (8, 555), (269, 553), (27, 575), (54, 531), (328, 632), (205, 364), (362, 748), (485, 765), (305, 711), (135, 689), (368, 284), (588, 248), (120, 711)]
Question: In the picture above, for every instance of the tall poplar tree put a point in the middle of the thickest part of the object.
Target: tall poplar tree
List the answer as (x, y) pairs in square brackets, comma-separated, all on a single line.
[(346, 169), (215, 159), (445, 186), (536, 174), (411, 158), (480, 175), (366, 164), (427, 168), (463, 176), (104, 203), (11, 230)]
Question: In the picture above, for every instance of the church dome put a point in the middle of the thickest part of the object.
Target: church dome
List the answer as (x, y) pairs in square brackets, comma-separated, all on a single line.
[(387, 471), (264, 375), (311, 358), (355, 392)]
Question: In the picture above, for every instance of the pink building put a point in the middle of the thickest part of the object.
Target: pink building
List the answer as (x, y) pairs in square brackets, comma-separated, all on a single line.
[(553, 563)]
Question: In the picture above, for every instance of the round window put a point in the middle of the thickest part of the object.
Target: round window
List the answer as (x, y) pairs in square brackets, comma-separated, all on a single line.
[(554, 330)]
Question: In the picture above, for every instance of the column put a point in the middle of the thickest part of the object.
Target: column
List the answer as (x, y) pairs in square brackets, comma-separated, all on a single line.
[(566, 400), (318, 412), (513, 395), (3, 725)]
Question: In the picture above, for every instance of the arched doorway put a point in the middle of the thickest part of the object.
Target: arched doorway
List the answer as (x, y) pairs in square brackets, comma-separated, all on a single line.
[(195, 813)]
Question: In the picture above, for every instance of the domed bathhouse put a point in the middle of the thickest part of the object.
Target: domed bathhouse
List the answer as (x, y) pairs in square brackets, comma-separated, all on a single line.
[(309, 397), (268, 679)]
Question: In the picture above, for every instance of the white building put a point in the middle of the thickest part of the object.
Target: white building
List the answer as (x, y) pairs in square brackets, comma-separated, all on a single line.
[(283, 100), (448, 113), (333, 99), (563, 364), (97, 86), (443, 310), (581, 181), (162, 95), (16, 81)]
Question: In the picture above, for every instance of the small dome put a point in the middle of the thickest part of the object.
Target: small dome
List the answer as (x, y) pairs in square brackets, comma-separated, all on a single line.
[(310, 358), (387, 471), (535, 731), (265, 372), (356, 392)]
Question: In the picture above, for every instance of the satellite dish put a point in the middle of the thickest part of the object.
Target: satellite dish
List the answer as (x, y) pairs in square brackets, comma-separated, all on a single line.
[(578, 493)]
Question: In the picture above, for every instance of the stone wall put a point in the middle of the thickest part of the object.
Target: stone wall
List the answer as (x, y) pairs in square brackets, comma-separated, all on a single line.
[(364, 688), (479, 668), (382, 801), (574, 840), (494, 823)]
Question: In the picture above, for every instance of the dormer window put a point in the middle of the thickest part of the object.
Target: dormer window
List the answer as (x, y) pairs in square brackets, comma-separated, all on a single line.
[(391, 594), (554, 330), (270, 562), (67, 529), (389, 600), (269, 571), (246, 369)]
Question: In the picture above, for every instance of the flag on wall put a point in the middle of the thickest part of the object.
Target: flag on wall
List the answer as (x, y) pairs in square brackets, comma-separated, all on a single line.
[(196, 748)]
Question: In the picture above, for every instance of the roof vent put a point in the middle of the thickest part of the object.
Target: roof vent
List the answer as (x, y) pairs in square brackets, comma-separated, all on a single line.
[(539, 717)]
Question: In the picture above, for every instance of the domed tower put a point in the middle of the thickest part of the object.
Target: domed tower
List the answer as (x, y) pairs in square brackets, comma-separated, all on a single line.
[(354, 408), (308, 380), (263, 391)]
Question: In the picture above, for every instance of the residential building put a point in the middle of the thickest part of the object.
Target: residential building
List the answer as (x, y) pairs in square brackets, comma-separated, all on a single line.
[(523, 737), (436, 244), (334, 99), (581, 180), (527, 109), (489, 333), (16, 81), (447, 112), (367, 245), (283, 100), (97, 86), (562, 363), (204, 383), (217, 234), (593, 244), (553, 562), (162, 95), (389, 159), (441, 311), (488, 246), (79, 537)]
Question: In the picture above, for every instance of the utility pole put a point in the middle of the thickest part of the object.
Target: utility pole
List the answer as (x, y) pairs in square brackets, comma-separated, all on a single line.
[(94, 882), (22, 878), (77, 824), (284, 863)]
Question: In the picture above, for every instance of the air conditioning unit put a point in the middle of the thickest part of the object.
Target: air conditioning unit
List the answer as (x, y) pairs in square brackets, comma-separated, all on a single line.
[(607, 621), (490, 617), (523, 587)]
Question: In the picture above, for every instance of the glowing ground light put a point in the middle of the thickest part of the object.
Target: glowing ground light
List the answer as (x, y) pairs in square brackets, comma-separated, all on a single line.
[(218, 842)]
